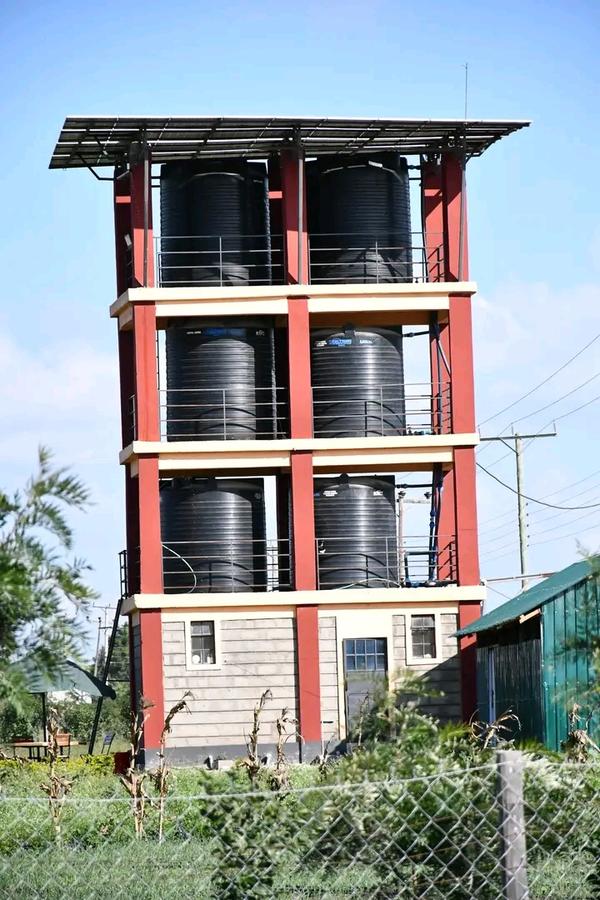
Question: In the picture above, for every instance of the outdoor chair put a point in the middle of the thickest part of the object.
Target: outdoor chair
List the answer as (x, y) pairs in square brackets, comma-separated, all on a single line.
[(63, 742), (107, 743)]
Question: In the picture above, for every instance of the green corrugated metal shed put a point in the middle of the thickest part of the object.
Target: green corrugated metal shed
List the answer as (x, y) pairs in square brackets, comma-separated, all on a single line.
[(531, 599), (539, 665)]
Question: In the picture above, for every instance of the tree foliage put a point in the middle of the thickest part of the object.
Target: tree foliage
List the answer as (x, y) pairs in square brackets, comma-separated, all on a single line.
[(43, 594)]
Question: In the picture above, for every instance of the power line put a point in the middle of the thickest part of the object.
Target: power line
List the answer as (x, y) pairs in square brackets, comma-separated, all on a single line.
[(542, 383), (560, 537), (555, 420), (558, 400), (560, 490), (534, 518), (533, 499)]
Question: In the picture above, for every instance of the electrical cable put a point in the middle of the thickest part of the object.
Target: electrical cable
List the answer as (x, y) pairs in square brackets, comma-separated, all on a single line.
[(560, 537), (561, 490), (554, 420), (533, 499), (534, 518), (558, 400), (542, 383)]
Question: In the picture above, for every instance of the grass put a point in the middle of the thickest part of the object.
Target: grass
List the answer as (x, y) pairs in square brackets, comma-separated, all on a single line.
[(356, 835)]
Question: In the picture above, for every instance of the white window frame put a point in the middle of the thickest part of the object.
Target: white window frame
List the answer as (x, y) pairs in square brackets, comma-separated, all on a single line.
[(412, 660), (195, 667)]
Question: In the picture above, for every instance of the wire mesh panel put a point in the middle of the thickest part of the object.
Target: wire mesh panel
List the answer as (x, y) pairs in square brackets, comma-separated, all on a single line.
[(433, 836)]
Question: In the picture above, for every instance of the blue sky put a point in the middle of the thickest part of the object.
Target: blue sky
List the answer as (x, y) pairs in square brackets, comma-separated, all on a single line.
[(533, 212)]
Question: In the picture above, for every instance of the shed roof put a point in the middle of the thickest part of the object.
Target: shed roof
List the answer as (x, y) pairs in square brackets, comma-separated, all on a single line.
[(105, 140), (531, 599)]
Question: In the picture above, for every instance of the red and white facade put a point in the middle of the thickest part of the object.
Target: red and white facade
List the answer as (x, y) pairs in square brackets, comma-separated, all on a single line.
[(291, 641)]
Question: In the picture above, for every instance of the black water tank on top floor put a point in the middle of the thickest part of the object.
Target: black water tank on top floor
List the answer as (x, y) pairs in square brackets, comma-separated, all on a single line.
[(359, 219), (214, 223), (355, 525), (358, 382), (213, 535), (220, 381)]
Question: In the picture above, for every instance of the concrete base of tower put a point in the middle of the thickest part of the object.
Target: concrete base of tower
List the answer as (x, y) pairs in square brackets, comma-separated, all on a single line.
[(224, 660)]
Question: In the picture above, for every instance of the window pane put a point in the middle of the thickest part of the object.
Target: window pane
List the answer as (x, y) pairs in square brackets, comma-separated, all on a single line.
[(349, 647), (370, 646), (371, 662), (360, 662), (381, 662), (203, 643), (423, 637), (380, 645), (350, 663), (360, 646)]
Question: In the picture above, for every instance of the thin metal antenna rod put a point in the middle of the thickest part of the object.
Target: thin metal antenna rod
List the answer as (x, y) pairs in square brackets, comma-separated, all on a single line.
[(466, 88)]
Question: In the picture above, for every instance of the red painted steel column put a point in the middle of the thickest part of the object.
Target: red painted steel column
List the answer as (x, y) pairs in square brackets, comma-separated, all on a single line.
[(468, 613), (301, 467), (453, 200), (150, 547), (309, 682), (463, 415), (141, 222), (463, 422), (122, 211), (289, 171), (433, 219), (433, 240)]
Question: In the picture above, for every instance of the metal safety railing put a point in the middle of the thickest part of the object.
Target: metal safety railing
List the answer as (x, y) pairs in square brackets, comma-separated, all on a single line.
[(219, 259), (352, 561), (216, 566), (333, 258), (244, 413), (348, 561), (375, 258), (381, 410), (221, 414)]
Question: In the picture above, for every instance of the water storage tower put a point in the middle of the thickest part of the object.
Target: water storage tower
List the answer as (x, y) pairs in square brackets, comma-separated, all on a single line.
[(288, 266), (214, 223), (213, 533), (220, 380), (359, 219), (358, 382), (355, 524)]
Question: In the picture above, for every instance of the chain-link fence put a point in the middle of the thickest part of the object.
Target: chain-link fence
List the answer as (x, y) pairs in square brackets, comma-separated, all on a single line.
[(517, 828)]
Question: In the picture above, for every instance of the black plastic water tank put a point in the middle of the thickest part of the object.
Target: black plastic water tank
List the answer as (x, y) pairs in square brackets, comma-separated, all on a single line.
[(213, 535), (220, 381), (214, 223), (358, 382), (359, 219), (355, 524)]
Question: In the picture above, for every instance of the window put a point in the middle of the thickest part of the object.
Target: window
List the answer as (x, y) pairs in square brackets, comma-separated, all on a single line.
[(422, 637), (202, 641), (365, 654)]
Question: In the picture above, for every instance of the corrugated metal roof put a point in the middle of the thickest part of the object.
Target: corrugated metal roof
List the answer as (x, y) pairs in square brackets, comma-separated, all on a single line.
[(105, 140), (531, 599)]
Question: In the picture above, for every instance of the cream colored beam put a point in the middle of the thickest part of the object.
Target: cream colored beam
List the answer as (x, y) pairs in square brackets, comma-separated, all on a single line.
[(272, 298), (450, 594), (329, 453)]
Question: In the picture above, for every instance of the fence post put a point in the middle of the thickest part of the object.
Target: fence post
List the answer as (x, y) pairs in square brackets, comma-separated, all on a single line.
[(513, 860)]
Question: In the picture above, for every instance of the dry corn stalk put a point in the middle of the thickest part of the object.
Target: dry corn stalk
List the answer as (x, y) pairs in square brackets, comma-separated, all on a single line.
[(252, 762), (133, 779), (160, 777), (280, 778), (58, 786)]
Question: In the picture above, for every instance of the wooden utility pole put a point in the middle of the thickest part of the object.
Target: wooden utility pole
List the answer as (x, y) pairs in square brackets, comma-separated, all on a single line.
[(514, 442)]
